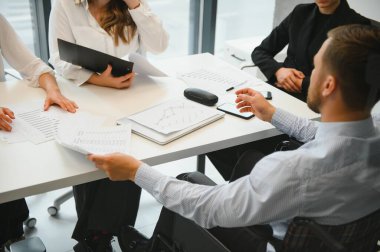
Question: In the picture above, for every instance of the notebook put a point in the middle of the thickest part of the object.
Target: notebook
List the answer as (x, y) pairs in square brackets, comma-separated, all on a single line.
[(91, 59), (171, 120)]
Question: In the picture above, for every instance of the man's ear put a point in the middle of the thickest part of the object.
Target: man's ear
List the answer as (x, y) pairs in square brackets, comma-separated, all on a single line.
[(329, 86)]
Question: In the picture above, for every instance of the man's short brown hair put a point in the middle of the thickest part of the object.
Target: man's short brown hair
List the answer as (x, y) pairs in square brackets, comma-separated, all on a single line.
[(347, 56)]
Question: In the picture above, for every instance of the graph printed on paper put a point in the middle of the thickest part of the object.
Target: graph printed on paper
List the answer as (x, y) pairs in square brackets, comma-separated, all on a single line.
[(173, 116), (179, 116)]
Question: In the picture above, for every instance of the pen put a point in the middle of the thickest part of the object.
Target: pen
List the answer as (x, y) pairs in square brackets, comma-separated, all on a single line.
[(233, 87)]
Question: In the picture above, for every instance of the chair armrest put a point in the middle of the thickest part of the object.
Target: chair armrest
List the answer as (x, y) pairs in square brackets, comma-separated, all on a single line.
[(196, 178), (291, 144)]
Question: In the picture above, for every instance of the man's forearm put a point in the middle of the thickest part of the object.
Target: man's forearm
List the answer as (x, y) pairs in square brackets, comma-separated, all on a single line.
[(300, 128)]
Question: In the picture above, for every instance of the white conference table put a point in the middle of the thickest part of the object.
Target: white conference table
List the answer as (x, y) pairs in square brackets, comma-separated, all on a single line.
[(28, 169)]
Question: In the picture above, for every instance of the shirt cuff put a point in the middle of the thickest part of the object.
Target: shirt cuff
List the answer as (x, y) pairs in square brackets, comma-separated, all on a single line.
[(146, 177), (82, 77), (280, 119), (140, 13)]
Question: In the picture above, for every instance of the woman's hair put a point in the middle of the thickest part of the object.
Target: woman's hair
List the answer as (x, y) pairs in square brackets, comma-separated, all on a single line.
[(117, 21)]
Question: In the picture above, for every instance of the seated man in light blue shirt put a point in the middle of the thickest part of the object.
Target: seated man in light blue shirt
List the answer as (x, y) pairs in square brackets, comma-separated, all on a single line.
[(327, 179)]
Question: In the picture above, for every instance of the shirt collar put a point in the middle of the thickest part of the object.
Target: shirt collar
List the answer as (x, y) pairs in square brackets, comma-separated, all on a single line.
[(361, 129)]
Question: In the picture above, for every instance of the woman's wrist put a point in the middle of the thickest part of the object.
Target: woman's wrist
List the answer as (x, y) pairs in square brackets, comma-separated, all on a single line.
[(48, 82), (132, 4)]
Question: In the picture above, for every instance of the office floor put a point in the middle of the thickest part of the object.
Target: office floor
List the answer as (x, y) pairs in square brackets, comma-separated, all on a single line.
[(56, 231)]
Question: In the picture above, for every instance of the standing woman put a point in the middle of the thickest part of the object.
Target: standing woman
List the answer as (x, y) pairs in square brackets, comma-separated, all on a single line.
[(118, 28)]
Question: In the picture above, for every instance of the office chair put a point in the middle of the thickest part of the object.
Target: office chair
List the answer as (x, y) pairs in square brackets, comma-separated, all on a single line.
[(54, 209)]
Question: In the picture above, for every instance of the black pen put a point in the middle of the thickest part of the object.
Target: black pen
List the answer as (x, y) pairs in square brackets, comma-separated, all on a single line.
[(233, 87)]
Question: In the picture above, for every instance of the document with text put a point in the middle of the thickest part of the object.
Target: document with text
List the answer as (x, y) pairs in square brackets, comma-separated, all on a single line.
[(95, 140)]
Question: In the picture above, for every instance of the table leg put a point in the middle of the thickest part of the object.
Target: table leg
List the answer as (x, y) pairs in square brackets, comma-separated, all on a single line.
[(201, 163)]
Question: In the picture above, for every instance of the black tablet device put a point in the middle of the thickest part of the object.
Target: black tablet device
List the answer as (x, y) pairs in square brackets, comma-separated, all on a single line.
[(91, 59)]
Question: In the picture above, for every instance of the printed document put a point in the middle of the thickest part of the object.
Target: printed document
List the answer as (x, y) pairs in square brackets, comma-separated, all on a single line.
[(144, 67), (216, 80), (34, 124), (95, 140), (173, 115)]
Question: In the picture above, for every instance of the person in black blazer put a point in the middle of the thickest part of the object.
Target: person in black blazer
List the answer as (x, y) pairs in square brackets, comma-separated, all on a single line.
[(304, 31)]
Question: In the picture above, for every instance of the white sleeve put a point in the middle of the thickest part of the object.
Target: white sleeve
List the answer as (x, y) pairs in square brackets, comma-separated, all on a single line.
[(152, 34), (302, 129), (59, 27), (18, 56), (244, 202)]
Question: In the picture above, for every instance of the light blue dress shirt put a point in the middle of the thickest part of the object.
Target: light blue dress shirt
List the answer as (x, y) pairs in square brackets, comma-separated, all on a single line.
[(327, 179)]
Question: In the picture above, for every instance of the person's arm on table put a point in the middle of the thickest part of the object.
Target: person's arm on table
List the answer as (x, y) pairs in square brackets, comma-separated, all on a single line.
[(302, 129), (53, 94), (32, 69), (289, 79)]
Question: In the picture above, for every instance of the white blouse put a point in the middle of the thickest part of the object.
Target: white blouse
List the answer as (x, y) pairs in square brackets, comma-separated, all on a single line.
[(75, 23), (18, 56)]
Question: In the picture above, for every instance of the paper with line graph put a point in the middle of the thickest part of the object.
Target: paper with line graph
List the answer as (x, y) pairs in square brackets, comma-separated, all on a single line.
[(173, 115)]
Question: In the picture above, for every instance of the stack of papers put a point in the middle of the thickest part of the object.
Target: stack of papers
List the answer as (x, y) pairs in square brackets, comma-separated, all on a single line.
[(170, 120)]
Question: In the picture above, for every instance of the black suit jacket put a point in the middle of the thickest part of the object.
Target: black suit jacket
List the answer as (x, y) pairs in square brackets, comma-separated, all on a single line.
[(296, 31)]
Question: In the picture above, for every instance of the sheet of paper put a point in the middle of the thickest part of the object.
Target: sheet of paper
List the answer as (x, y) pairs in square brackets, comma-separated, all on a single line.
[(173, 115), (14, 136), (143, 66), (95, 140), (34, 124), (217, 80)]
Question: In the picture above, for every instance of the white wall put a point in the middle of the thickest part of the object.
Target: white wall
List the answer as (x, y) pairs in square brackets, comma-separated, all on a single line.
[(367, 8)]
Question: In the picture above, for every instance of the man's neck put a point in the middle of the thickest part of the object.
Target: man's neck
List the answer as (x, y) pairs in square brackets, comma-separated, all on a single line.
[(330, 9), (343, 115)]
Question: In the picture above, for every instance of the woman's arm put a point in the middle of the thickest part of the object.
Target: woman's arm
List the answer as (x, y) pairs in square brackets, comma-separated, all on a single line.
[(18, 55), (153, 36)]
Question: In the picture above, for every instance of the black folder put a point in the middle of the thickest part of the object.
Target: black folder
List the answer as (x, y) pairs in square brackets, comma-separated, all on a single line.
[(91, 59)]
